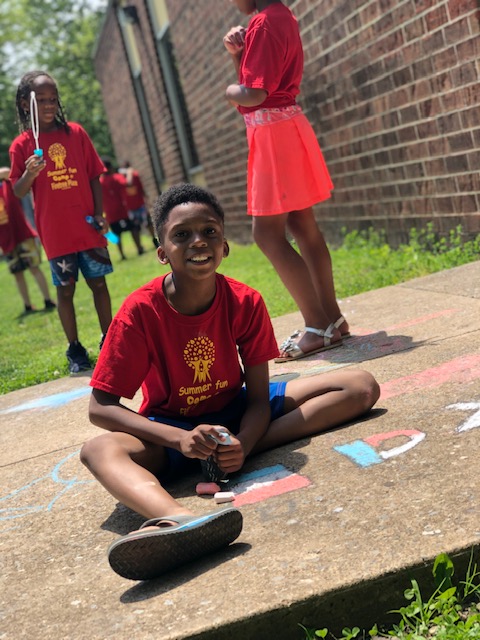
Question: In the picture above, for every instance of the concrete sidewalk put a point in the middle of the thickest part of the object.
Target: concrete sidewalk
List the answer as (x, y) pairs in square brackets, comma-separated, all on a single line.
[(334, 526)]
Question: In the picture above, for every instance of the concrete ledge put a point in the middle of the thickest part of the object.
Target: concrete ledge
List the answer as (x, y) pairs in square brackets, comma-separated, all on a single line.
[(337, 524)]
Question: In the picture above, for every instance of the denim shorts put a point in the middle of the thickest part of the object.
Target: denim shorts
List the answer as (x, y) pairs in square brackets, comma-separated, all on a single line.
[(229, 417), (93, 263)]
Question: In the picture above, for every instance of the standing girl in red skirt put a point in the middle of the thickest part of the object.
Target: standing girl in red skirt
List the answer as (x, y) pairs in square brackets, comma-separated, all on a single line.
[(287, 174)]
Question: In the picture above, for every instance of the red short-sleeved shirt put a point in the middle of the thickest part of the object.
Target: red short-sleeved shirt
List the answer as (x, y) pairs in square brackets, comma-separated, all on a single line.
[(186, 365), (14, 227), (272, 57), (62, 191), (114, 196), (135, 193)]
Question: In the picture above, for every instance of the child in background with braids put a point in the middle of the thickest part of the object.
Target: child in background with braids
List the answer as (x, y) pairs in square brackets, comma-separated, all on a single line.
[(66, 188)]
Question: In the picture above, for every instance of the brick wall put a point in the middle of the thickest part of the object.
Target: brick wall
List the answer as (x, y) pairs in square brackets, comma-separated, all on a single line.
[(390, 86)]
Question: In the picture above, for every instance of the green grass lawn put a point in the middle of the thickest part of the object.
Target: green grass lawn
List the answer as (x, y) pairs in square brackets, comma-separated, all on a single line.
[(32, 347)]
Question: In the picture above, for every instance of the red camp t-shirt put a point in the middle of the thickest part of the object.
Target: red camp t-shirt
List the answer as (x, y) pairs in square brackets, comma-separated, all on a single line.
[(272, 57), (134, 191), (62, 191), (14, 227), (114, 197), (186, 365)]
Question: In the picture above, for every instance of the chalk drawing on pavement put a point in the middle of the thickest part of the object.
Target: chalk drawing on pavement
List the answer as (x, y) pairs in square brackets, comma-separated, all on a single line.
[(265, 483), (49, 402), (473, 421), (366, 452), (23, 502)]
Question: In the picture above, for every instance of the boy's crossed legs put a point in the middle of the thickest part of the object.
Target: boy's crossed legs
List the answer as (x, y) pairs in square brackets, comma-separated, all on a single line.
[(129, 468)]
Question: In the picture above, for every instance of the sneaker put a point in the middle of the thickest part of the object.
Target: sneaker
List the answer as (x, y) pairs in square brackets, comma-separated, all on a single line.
[(29, 309), (50, 305), (77, 357), (102, 340)]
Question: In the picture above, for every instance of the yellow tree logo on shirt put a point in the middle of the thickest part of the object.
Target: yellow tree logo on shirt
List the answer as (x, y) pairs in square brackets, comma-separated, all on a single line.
[(57, 153), (199, 354)]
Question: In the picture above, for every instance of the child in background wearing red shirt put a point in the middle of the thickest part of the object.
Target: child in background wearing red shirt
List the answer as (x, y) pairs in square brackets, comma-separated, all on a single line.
[(18, 243), (66, 189), (198, 343), (116, 208), (136, 198), (287, 174)]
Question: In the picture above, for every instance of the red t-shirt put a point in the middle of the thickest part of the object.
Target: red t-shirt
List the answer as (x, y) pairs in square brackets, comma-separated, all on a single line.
[(186, 365), (14, 227), (62, 191), (114, 197), (272, 57), (134, 191)]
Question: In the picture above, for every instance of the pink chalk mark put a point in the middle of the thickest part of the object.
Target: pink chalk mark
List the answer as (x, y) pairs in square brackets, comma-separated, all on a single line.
[(376, 439), (362, 331), (269, 490), (463, 369), (414, 321)]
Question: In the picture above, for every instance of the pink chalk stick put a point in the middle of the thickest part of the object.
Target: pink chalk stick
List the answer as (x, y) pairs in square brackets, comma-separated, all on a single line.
[(207, 488)]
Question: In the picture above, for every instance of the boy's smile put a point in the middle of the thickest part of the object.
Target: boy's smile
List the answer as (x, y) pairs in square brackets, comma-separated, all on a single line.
[(193, 240)]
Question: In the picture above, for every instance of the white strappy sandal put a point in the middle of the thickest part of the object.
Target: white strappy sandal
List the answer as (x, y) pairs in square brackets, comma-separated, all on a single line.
[(294, 352)]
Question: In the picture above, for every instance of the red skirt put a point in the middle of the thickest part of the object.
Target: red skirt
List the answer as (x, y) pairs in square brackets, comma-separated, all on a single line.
[(286, 168)]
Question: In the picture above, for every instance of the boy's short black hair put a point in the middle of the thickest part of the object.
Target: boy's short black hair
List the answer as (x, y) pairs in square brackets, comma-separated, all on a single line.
[(181, 194)]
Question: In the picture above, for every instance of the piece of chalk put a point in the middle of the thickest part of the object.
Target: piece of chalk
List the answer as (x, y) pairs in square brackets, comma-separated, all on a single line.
[(224, 496), (207, 488), (226, 438)]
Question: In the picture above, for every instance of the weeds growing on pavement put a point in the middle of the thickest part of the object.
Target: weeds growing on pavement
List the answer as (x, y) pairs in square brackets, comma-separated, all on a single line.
[(32, 347), (450, 613)]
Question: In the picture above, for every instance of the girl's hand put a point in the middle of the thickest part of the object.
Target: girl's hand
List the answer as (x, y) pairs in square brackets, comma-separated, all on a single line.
[(34, 165), (234, 40), (230, 458)]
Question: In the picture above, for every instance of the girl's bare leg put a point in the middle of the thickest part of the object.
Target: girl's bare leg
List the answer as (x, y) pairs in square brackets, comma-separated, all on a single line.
[(66, 311), (101, 300), (22, 288), (313, 248), (136, 238), (269, 234), (126, 467), (318, 403)]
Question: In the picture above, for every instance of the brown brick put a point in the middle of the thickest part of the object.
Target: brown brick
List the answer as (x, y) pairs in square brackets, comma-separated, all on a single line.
[(391, 88), (436, 18)]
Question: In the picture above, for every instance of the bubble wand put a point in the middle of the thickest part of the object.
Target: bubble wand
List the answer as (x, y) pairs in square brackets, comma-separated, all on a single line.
[(35, 123)]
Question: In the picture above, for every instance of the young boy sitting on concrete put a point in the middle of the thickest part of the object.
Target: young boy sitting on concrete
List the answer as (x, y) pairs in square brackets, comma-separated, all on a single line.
[(198, 343)]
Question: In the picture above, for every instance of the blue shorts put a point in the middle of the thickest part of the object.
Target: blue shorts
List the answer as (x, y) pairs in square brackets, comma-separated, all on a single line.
[(93, 263), (229, 417)]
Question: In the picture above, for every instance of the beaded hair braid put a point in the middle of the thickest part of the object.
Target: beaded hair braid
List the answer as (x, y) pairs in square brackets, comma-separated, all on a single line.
[(23, 93)]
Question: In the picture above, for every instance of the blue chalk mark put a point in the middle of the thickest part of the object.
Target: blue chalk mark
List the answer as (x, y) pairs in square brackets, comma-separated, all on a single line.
[(13, 513), (50, 402), (360, 452), (259, 473)]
